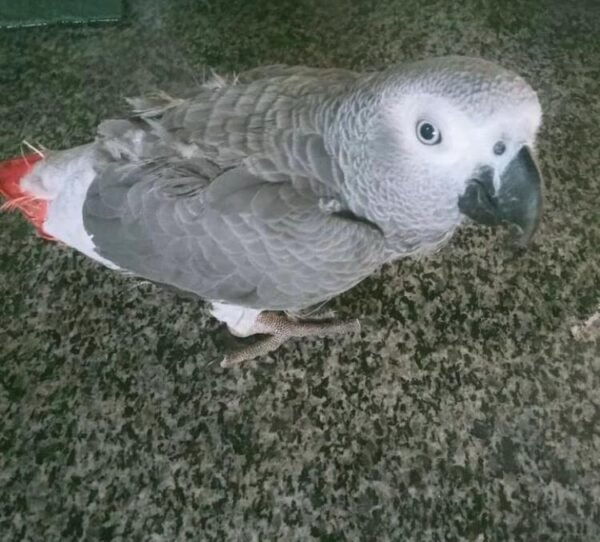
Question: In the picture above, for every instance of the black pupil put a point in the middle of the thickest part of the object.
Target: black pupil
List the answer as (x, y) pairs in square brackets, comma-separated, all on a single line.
[(499, 148), (427, 131)]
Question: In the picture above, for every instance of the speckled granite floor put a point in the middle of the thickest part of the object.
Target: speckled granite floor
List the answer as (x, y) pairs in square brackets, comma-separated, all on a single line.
[(465, 411)]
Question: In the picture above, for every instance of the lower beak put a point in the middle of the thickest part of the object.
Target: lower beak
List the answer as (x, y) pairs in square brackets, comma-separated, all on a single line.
[(518, 202)]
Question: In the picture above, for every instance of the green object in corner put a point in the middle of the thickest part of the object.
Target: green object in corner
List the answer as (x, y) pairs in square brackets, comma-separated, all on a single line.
[(14, 13)]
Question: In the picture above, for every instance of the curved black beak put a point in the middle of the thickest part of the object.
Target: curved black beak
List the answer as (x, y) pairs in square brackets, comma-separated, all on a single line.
[(518, 202)]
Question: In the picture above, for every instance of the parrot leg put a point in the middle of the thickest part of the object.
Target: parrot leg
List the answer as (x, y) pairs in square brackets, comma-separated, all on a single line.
[(279, 327)]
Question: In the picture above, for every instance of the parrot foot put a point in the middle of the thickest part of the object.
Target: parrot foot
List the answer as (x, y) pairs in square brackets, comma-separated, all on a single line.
[(278, 328)]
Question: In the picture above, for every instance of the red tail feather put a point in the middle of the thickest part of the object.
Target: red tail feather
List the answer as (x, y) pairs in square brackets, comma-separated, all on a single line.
[(11, 173)]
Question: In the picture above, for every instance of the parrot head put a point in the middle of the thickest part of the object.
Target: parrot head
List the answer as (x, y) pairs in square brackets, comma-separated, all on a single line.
[(444, 139)]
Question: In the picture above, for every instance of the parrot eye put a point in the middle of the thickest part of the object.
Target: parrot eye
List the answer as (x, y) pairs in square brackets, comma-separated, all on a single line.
[(499, 148), (428, 133)]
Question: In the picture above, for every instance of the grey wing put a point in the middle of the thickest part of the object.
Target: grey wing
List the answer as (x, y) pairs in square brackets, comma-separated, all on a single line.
[(271, 121), (235, 239), (231, 209)]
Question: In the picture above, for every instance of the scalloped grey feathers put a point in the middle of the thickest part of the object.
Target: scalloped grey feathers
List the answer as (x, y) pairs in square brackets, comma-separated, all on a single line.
[(286, 186), (228, 194)]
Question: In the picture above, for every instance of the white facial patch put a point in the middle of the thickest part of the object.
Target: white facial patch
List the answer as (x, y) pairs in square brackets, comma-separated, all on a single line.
[(442, 167), (467, 140)]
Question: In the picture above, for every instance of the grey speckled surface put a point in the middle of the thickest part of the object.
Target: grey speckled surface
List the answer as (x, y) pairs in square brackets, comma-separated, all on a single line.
[(465, 411)]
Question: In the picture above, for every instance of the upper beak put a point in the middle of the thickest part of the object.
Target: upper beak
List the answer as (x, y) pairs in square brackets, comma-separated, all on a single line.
[(518, 201)]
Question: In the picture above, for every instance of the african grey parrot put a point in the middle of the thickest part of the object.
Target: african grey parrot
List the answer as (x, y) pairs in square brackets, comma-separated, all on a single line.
[(285, 186)]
